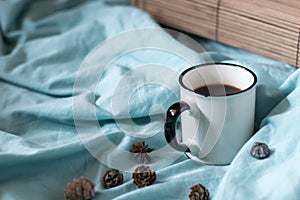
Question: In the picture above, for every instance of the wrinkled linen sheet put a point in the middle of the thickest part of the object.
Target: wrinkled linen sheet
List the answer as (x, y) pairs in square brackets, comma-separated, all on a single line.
[(65, 114)]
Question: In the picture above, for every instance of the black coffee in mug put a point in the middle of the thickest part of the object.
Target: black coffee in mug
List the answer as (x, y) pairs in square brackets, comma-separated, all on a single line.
[(208, 133), (217, 90)]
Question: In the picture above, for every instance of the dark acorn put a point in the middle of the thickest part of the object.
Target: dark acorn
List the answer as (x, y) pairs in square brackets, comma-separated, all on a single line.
[(260, 150), (111, 178)]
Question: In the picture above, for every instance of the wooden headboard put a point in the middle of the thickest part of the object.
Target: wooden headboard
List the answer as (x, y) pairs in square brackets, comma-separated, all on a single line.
[(267, 27)]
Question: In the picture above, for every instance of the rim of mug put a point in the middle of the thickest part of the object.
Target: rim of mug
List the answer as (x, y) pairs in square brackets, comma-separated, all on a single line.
[(217, 63)]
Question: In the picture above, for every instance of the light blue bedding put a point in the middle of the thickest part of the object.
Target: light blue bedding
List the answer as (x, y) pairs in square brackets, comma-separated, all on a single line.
[(63, 117)]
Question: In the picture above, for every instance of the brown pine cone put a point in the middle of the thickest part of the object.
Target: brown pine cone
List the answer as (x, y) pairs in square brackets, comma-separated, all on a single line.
[(143, 176), (80, 189), (199, 192), (111, 178)]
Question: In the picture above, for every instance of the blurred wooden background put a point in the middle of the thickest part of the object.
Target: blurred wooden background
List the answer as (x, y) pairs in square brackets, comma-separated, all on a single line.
[(267, 27)]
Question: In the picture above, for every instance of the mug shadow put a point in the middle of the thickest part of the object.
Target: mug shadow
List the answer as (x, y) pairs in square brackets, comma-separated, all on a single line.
[(281, 106)]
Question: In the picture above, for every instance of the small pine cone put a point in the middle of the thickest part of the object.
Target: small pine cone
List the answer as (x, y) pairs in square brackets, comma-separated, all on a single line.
[(260, 150), (111, 178), (80, 189), (143, 176), (199, 192)]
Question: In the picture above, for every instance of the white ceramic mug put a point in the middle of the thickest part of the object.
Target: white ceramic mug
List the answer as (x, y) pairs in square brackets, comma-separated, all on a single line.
[(215, 127)]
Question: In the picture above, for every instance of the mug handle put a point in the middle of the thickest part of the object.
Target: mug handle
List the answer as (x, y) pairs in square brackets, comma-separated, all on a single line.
[(172, 114)]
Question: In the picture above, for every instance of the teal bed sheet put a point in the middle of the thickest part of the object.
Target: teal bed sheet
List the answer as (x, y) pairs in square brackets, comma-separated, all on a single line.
[(47, 133)]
